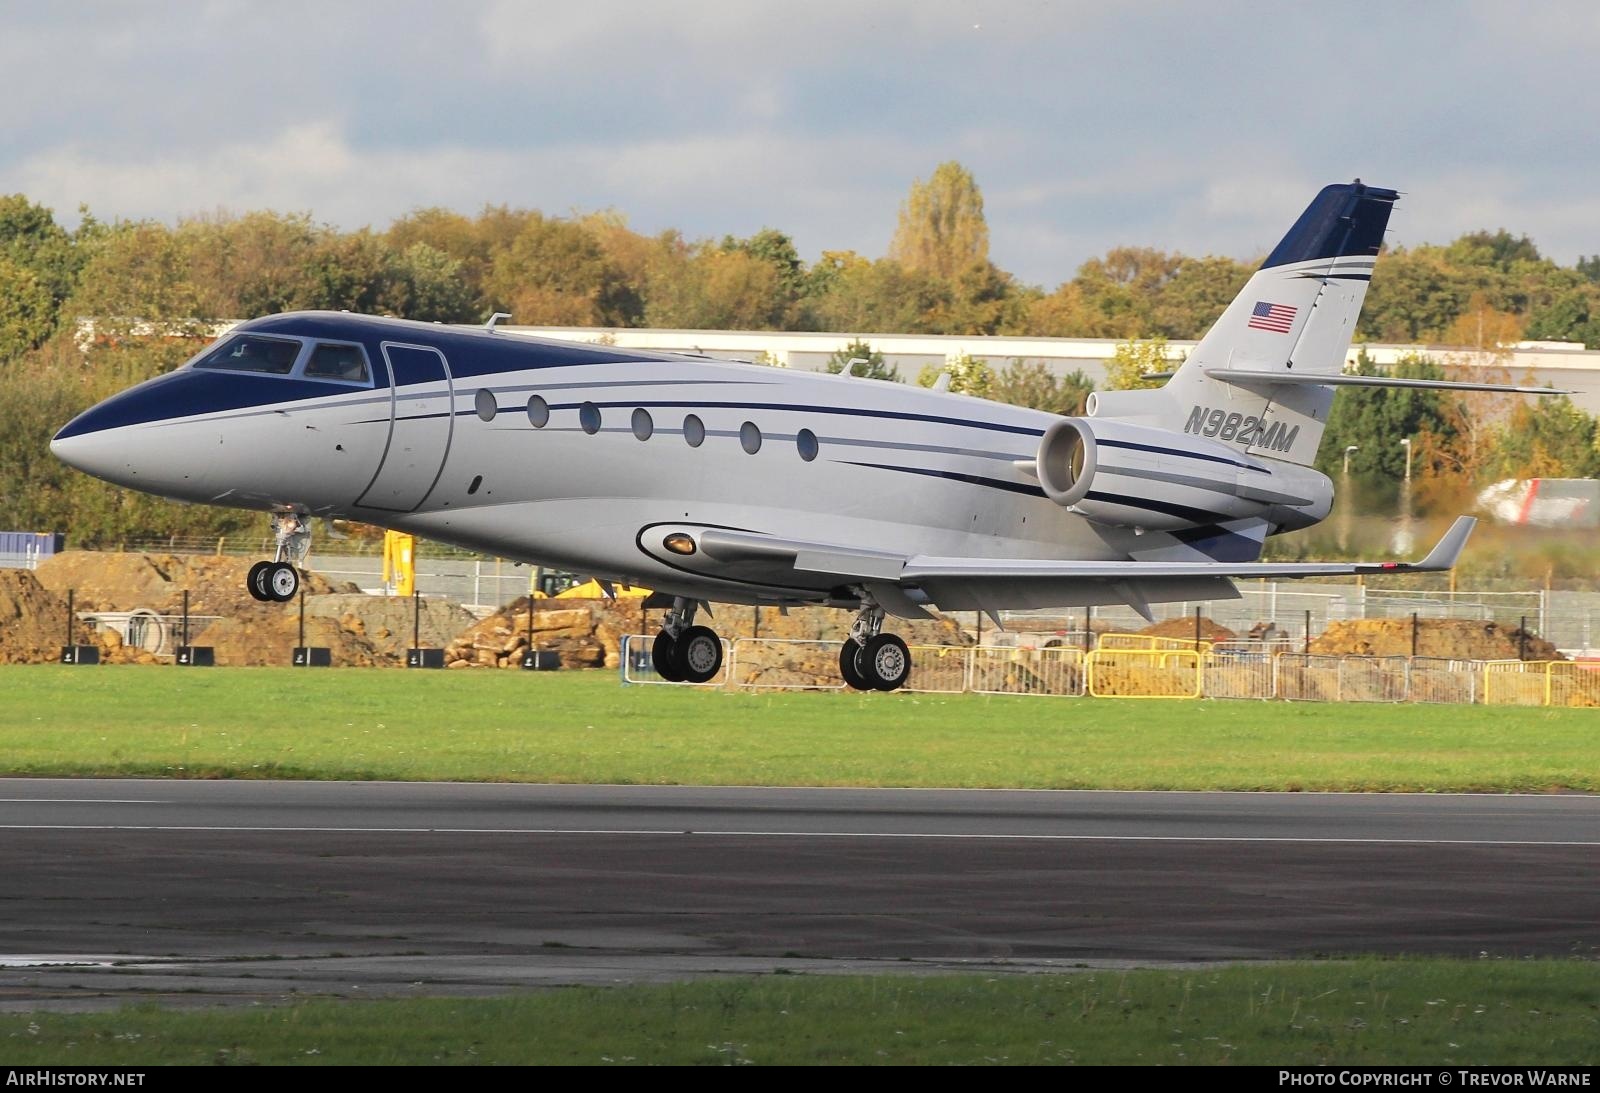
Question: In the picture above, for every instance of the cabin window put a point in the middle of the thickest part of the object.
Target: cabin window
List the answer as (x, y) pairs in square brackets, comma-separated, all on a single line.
[(538, 412), (750, 437), (589, 418), (806, 441), (484, 402), (251, 353), (345, 363), (694, 431), (643, 426)]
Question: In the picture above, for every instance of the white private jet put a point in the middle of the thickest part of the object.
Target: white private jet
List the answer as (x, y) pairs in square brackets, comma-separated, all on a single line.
[(712, 480)]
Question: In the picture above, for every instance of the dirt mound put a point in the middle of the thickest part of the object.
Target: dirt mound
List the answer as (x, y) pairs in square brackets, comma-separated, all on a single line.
[(33, 620), (112, 581), (223, 615), (269, 635), (583, 633), (1454, 639), (588, 634), (1183, 629), (391, 624)]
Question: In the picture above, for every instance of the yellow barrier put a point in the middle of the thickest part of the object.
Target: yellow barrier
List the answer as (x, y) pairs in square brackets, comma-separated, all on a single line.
[(1143, 673), (1516, 683), (1573, 684)]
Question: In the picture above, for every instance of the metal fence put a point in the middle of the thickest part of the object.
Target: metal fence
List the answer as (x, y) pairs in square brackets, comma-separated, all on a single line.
[(1299, 611), (1135, 666), (1295, 610)]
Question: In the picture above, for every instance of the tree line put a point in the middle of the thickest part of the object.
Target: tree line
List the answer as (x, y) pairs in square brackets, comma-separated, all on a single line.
[(591, 269)]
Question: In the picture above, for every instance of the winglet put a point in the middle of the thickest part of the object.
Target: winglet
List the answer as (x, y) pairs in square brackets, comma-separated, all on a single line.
[(1444, 555)]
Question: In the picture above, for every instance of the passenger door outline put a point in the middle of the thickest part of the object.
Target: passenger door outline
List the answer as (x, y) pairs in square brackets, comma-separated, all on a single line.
[(419, 432)]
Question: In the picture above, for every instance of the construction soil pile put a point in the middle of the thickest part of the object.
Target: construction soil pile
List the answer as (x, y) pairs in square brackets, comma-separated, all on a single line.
[(33, 621), (1451, 639), (222, 614), (1184, 630), (588, 634), (362, 630)]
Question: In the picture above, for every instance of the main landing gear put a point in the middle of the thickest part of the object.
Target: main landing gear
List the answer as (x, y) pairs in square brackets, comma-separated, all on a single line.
[(278, 581), (683, 652), (870, 660)]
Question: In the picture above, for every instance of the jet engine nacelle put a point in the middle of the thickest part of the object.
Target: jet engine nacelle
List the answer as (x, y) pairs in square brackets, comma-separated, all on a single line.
[(1136, 476)]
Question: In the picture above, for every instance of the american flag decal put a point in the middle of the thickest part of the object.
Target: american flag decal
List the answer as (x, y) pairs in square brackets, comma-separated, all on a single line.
[(1277, 318)]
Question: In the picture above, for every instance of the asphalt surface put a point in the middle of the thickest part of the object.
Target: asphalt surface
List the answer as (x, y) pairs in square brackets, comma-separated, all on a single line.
[(202, 892)]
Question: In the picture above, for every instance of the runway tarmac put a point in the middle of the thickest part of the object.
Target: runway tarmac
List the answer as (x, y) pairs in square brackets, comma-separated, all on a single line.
[(199, 892)]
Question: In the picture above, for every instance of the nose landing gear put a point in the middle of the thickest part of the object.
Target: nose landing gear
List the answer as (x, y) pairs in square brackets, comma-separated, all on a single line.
[(278, 581), (683, 652)]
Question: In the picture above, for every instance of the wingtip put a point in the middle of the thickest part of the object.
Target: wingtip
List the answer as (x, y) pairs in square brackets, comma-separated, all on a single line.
[(1445, 554)]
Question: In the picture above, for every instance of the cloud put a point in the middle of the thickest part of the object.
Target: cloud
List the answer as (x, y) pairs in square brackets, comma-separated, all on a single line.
[(1087, 124)]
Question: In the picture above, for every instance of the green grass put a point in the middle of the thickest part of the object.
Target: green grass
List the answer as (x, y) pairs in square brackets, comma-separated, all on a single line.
[(1433, 1012), (584, 727)]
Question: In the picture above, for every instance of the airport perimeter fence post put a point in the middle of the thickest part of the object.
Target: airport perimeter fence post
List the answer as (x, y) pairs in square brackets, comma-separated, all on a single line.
[(1307, 649)]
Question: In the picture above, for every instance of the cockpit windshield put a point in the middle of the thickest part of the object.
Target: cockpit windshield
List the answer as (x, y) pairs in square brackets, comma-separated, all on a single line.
[(252, 353), (337, 362)]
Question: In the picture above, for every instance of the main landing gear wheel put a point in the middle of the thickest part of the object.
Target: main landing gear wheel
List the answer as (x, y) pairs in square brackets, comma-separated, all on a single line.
[(663, 655), (699, 651), (850, 666), (885, 662)]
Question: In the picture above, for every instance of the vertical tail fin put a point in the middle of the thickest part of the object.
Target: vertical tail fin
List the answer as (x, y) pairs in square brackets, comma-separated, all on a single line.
[(1296, 316)]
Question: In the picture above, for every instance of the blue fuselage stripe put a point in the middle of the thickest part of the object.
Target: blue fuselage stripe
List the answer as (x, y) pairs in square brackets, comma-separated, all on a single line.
[(954, 476), (1175, 451)]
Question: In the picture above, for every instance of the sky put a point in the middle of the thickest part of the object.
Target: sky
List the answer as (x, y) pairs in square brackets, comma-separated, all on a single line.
[(1195, 127)]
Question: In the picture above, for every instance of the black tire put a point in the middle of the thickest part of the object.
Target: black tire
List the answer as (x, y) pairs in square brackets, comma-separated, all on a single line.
[(699, 651), (850, 660), (664, 656), (256, 582), (282, 581), (886, 662)]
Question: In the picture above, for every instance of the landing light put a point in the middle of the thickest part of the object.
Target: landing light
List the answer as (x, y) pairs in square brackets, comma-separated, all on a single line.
[(679, 543)]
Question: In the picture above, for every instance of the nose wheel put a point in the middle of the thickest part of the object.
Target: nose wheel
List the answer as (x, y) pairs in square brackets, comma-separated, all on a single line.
[(278, 581), (273, 582)]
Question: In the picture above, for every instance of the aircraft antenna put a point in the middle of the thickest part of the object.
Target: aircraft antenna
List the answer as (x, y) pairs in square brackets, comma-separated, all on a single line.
[(496, 317)]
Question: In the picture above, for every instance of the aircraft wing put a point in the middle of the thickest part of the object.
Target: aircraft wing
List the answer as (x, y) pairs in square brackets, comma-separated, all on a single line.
[(851, 562), (906, 583), (1442, 556)]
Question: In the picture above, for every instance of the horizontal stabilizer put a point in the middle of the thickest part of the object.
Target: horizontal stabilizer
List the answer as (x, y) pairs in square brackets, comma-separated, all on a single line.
[(1245, 377)]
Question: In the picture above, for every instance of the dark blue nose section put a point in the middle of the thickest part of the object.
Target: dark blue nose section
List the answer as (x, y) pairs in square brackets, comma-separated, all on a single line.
[(185, 394)]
